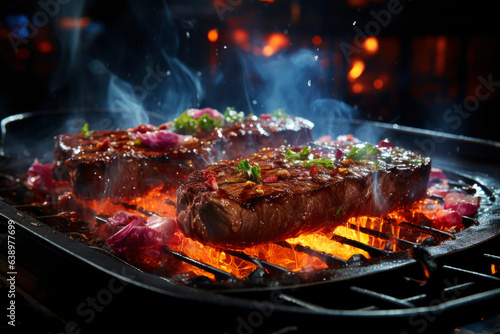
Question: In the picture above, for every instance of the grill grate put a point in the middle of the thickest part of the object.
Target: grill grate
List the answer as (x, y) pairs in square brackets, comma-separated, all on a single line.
[(421, 290), (63, 222)]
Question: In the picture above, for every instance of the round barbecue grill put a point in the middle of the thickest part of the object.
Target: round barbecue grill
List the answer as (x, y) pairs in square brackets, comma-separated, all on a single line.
[(425, 287), (373, 69)]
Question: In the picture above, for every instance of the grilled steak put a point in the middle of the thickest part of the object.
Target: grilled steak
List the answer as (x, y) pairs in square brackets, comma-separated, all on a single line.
[(118, 164), (235, 204)]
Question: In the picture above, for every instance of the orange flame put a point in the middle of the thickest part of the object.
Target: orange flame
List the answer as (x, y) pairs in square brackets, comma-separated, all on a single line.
[(160, 201)]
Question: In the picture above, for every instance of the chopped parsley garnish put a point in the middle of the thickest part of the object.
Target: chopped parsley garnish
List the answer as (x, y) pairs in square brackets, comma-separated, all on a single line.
[(362, 152), (306, 159), (253, 172), (280, 113), (319, 162), (187, 124), (207, 123), (85, 130), (231, 116), (338, 211), (302, 155)]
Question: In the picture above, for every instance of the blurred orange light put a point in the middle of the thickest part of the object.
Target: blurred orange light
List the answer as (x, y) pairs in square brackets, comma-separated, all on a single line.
[(275, 42), (213, 35), (268, 51), (357, 88), (371, 44), (378, 83), (357, 69), (74, 22), (316, 40), (241, 37)]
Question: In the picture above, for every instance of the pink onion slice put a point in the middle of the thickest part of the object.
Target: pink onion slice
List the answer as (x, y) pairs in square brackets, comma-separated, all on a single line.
[(162, 139), (464, 205), (140, 234), (437, 173), (197, 113)]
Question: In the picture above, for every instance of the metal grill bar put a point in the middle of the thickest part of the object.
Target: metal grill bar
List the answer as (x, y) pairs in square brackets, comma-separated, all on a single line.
[(219, 274), (438, 234), (383, 297), (269, 267), (330, 260), (373, 251), (384, 235), (495, 258)]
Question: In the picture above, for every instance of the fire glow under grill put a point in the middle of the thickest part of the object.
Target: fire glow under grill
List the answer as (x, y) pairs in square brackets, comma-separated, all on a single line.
[(360, 240)]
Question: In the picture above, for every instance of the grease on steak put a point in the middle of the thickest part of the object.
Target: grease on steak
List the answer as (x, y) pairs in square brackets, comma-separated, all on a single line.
[(110, 164), (294, 197)]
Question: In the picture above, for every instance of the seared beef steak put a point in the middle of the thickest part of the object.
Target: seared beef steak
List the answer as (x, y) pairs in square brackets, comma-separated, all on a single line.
[(236, 204), (115, 164)]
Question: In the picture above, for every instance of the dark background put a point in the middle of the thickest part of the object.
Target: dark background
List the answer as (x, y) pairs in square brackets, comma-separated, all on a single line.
[(431, 63)]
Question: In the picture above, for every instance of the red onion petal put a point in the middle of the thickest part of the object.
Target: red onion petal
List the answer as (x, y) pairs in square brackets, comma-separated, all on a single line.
[(449, 218), (437, 173), (464, 205), (197, 113), (162, 139)]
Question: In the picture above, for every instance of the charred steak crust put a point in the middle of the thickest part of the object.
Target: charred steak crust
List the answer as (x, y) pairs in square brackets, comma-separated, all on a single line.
[(109, 164), (292, 197)]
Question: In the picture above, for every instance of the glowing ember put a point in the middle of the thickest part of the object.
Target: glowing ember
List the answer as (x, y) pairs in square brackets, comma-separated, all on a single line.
[(425, 212)]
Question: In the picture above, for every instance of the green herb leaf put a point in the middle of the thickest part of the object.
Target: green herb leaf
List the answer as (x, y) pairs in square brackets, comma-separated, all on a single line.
[(319, 162), (253, 172), (244, 165), (305, 158), (231, 116), (207, 123), (302, 155), (280, 113), (85, 130), (362, 152), (185, 124), (188, 125)]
